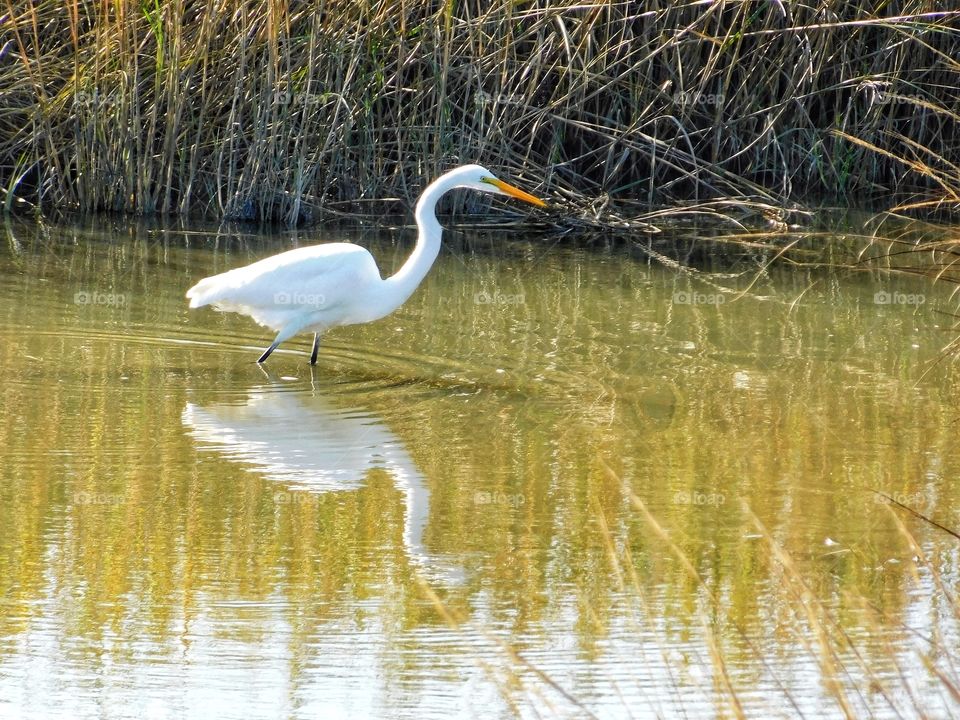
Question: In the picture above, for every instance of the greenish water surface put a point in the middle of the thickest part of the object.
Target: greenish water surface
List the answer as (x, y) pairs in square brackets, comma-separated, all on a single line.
[(553, 483)]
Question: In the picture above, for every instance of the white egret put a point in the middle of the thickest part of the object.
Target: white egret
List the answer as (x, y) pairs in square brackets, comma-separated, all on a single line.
[(313, 289)]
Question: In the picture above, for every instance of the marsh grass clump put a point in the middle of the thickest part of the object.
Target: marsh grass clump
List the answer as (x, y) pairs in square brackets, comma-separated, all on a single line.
[(281, 111)]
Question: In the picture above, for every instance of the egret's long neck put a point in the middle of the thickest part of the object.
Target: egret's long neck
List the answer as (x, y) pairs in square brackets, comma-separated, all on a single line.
[(402, 284)]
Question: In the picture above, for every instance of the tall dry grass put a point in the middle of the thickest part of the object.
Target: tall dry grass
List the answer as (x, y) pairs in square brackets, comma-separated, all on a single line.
[(282, 110)]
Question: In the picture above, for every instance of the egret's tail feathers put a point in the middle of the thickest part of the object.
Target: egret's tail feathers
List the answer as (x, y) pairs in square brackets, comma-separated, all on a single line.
[(224, 296)]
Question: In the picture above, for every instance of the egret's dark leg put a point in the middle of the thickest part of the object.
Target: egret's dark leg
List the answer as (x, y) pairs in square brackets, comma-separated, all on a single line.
[(266, 353), (316, 347)]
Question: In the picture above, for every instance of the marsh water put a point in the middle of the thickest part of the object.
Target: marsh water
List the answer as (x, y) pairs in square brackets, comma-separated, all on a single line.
[(564, 479)]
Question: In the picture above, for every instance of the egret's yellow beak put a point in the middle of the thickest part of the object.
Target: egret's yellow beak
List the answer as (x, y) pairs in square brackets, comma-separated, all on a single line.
[(514, 192)]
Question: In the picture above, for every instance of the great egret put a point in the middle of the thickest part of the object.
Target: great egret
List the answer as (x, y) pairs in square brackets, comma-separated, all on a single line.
[(313, 289)]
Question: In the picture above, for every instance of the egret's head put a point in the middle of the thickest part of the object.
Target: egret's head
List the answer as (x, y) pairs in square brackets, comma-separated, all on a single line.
[(479, 178)]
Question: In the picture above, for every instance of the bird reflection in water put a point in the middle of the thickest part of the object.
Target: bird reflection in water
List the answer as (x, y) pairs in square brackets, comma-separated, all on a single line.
[(308, 443)]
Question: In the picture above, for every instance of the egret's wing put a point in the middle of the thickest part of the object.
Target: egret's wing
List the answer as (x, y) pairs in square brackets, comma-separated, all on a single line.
[(271, 291)]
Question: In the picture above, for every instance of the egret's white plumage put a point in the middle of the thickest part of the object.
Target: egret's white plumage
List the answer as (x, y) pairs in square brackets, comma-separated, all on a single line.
[(291, 287), (315, 288)]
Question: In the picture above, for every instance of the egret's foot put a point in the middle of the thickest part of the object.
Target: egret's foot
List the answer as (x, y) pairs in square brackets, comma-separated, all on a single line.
[(316, 348)]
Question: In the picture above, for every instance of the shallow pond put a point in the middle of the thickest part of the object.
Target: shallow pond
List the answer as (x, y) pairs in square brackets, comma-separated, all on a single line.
[(562, 479)]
